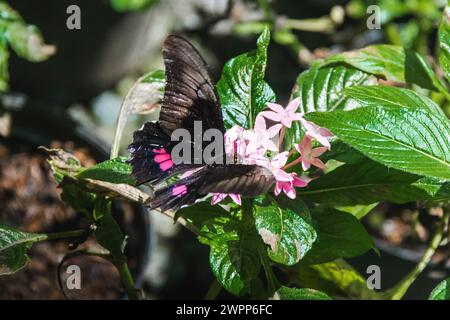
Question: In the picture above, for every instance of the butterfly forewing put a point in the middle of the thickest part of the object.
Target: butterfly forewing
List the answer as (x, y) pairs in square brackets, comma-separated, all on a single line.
[(189, 94)]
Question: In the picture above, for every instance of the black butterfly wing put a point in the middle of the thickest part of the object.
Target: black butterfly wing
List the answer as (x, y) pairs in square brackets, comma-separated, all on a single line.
[(246, 180), (151, 155), (190, 94)]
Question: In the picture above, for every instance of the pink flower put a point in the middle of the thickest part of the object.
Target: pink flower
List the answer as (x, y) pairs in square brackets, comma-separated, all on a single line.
[(288, 187), (235, 144), (258, 157), (280, 114), (308, 155), (217, 197), (261, 137), (275, 166), (318, 133)]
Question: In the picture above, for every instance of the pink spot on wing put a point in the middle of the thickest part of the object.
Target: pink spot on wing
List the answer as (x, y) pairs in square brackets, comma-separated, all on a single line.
[(162, 150), (162, 157), (166, 165), (179, 190)]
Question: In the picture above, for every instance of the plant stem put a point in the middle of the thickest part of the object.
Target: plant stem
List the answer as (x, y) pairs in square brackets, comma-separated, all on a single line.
[(397, 292), (63, 235), (271, 278), (213, 290), (291, 164), (127, 279), (281, 137), (323, 24)]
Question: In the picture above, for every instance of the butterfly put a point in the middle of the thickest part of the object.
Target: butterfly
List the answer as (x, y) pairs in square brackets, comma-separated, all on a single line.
[(189, 96)]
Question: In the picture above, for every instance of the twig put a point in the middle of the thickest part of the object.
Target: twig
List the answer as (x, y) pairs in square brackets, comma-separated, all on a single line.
[(397, 292)]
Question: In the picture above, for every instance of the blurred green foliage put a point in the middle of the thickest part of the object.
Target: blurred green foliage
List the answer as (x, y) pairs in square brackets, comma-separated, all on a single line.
[(132, 5), (407, 23), (25, 39)]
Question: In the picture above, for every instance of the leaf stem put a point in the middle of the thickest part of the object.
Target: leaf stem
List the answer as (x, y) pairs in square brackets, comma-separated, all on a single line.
[(213, 290), (63, 235), (127, 279), (397, 292)]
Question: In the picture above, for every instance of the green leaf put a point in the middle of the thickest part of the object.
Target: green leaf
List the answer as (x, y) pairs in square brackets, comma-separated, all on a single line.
[(201, 213), (234, 256), (342, 152), (242, 90), (339, 235), (143, 97), (442, 291), (116, 170), (78, 199), (409, 139), (27, 42), (373, 96), (359, 210), (108, 232), (14, 245), (102, 206), (235, 247), (285, 293), (369, 182), (4, 74), (444, 42), (336, 278), (131, 5), (392, 63), (322, 89), (289, 235)]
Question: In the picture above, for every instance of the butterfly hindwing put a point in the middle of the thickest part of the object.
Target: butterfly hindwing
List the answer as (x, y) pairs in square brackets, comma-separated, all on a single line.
[(151, 155), (246, 180)]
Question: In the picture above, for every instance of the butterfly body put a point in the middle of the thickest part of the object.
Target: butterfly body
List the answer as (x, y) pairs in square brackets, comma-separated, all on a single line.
[(189, 96)]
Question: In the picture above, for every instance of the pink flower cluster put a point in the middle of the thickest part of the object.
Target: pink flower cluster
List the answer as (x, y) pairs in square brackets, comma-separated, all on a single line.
[(258, 146)]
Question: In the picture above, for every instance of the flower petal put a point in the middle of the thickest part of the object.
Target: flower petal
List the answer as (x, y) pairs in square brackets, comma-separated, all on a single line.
[(217, 197), (273, 130), (323, 141), (289, 190), (276, 107), (280, 159), (260, 122), (305, 146), (270, 145), (316, 152), (305, 165), (299, 182), (271, 115), (252, 147), (281, 175), (278, 188), (293, 105), (236, 198), (318, 163)]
